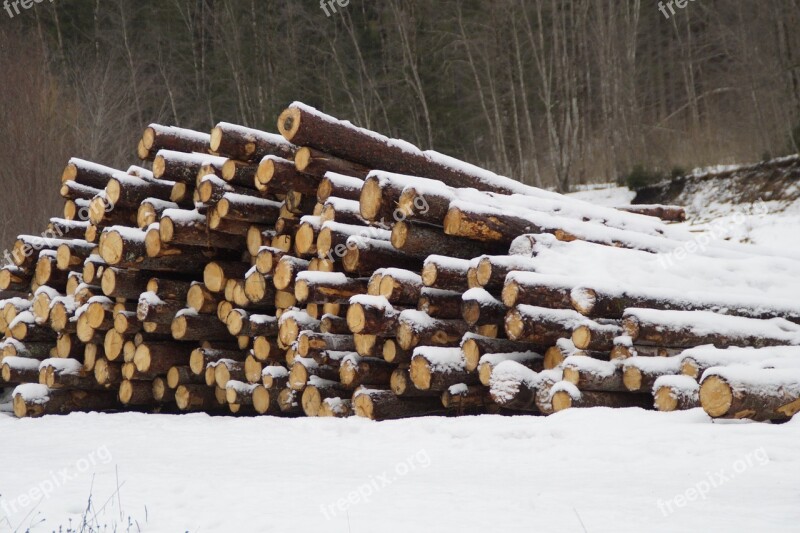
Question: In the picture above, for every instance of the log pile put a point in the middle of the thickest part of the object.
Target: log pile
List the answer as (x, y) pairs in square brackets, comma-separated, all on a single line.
[(331, 271)]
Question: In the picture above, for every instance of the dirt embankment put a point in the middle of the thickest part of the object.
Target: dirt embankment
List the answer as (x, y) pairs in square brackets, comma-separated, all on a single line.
[(776, 180)]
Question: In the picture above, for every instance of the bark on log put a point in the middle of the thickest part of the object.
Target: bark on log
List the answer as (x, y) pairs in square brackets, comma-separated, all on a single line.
[(157, 137), (385, 405), (340, 186), (416, 328), (434, 368), (279, 176), (420, 240), (757, 394), (319, 164), (247, 144), (355, 371), (306, 126), (447, 273)]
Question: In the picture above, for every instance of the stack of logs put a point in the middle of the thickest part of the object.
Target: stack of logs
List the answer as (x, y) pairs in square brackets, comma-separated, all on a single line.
[(332, 271)]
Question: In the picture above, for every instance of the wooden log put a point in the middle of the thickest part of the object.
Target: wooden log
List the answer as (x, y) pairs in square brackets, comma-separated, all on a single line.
[(279, 176), (336, 408), (248, 208), (310, 342), (611, 302), (401, 384), (531, 288), (695, 328), (73, 254), (416, 328), (287, 270), (355, 371), (624, 348), (372, 315), (676, 393), (364, 255), (182, 167), (420, 240), (161, 392), (240, 173), (318, 163), (541, 325), (343, 211), (440, 303), (754, 393), (14, 278), (24, 328), (475, 346), (291, 323), (158, 358), (202, 300), (188, 325), (566, 395), (87, 173), (126, 190), (393, 353), (303, 368), (306, 126), (592, 375), (339, 185), (217, 273), (555, 355), (400, 286), (123, 283), (596, 336), (240, 322), (317, 391), (641, 373), (169, 289), (180, 226), (289, 402), (667, 213), (247, 144), (196, 398), (67, 229), (39, 401), (157, 137), (490, 361), (327, 287), (480, 308), (136, 392), (447, 273), (151, 308), (19, 370), (47, 273), (385, 405), (107, 373), (436, 368)]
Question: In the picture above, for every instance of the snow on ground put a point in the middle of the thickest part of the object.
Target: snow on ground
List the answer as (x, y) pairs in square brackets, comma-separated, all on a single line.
[(580, 470), (591, 470)]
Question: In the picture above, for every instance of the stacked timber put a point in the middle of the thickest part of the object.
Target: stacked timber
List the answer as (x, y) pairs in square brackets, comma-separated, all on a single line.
[(331, 271)]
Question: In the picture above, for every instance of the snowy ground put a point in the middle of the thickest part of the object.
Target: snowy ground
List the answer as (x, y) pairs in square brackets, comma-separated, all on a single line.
[(589, 470)]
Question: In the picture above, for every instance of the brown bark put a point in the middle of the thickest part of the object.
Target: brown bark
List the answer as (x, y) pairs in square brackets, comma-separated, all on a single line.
[(440, 303), (340, 186), (385, 405), (279, 176), (357, 371), (420, 240), (447, 273), (247, 144), (311, 128), (319, 163), (157, 137)]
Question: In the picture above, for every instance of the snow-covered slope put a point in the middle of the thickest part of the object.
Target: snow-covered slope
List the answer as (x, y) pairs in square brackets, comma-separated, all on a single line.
[(580, 470)]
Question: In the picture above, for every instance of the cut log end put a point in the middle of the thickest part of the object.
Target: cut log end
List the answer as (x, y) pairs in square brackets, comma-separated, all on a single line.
[(370, 199), (420, 373), (665, 400), (582, 337), (356, 318), (288, 124), (216, 139), (364, 407), (716, 396), (632, 378), (429, 274), (561, 400)]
